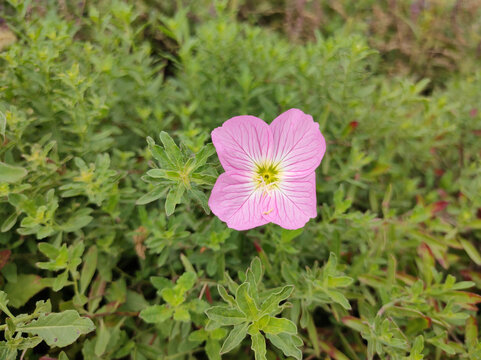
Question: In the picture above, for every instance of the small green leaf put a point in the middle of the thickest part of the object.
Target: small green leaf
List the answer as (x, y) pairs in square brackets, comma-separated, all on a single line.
[(201, 157), (173, 198), (60, 281), (256, 268), (181, 313), (279, 325), (199, 335), (339, 298), (288, 344), (171, 149), (235, 337), (26, 287), (102, 340), (173, 297), (156, 314), (225, 316), (3, 125), (186, 281), (88, 269), (59, 329), (259, 346), (271, 304), (225, 296), (472, 252), (152, 195), (9, 222), (212, 349), (11, 174), (245, 302)]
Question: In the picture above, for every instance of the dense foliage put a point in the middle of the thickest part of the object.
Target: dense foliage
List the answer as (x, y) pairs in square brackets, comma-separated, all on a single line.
[(108, 247)]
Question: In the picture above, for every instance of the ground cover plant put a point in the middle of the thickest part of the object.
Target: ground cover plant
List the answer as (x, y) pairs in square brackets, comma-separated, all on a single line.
[(108, 247)]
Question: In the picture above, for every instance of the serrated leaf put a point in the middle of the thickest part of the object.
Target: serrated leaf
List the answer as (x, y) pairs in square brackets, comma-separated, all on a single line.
[(11, 174), (235, 337), (288, 344), (156, 314), (59, 329), (225, 316)]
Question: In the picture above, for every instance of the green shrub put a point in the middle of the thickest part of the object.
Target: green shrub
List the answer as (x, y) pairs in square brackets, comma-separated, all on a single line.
[(109, 250)]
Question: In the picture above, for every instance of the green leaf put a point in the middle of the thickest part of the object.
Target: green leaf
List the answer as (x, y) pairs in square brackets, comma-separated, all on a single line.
[(201, 157), (201, 198), (199, 335), (60, 281), (235, 337), (288, 344), (212, 349), (271, 304), (3, 125), (259, 346), (225, 316), (181, 313), (59, 329), (156, 314), (225, 296), (173, 297), (245, 302), (279, 325), (9, 222), (171, 149), (186, 281), (103, 338), (152, 195), (173, 198), (48, 250), (339, 298), (472, 252), (24, 289), (88, 268), (256, 268), (11, 174)]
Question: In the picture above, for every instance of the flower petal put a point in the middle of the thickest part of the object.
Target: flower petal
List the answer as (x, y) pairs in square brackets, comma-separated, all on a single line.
[(293, 203), (298, 143), (236, 201), (242, 141)]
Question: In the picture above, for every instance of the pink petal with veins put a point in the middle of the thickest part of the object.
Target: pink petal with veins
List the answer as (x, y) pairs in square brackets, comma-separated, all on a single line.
[(298, 143)]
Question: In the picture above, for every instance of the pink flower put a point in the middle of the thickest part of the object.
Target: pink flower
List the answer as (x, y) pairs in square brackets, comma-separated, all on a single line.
[(269, 170)]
